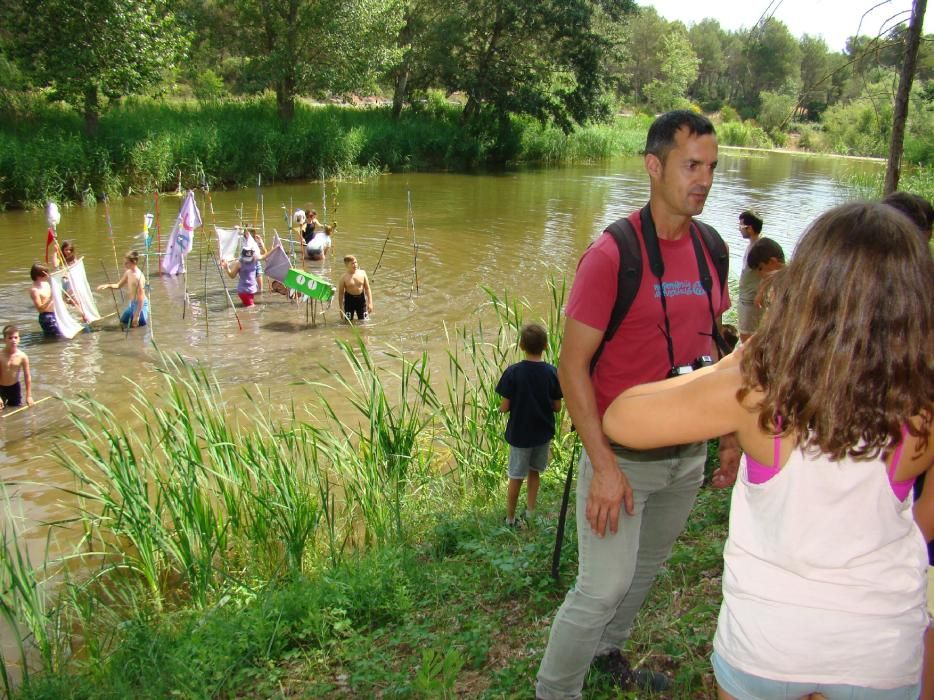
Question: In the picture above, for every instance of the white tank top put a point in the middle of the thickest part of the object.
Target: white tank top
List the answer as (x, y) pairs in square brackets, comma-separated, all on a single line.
[(824, 577)]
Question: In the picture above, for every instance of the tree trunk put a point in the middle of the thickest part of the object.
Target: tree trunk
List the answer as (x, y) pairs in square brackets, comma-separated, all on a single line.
[(285, 99), (92, 110), (401, 92), (900, 114)]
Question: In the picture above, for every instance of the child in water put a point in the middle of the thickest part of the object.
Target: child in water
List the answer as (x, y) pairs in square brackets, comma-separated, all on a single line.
[(13, 361), (832, 404), (354, 295), (41, 295), (137, 312), (246, 268)]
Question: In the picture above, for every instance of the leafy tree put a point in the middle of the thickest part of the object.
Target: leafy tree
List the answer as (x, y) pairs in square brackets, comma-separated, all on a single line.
[(541, 58), (709, 42), (420, 42), (302, 46), (817, 87), (772, 61), (775, 110), (647, 32), (83, 49), (678, 70)]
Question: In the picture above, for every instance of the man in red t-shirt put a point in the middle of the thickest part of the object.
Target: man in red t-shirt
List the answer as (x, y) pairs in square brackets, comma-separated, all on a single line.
[(668, 325)]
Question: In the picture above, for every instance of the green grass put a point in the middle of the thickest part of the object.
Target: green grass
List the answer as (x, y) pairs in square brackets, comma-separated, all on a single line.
[(230, 554), (144, 145)]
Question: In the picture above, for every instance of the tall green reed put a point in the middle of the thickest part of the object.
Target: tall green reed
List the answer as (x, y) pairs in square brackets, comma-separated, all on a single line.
[(383, 457), (24, 606), (473, 425)]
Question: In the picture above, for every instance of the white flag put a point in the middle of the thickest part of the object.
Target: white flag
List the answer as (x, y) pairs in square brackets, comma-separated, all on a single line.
[(183, 236)]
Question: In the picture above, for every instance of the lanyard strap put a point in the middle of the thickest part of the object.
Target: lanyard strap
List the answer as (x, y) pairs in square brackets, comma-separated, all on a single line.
[(657, 265)]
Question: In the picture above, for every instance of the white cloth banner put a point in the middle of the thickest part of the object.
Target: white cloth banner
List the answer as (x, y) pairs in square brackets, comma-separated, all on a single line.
[(67, 325), (183, 236), (81, 291), (228, 242)]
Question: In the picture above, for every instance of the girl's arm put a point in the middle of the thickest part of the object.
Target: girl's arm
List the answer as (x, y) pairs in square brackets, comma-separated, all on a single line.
[(690, 408)]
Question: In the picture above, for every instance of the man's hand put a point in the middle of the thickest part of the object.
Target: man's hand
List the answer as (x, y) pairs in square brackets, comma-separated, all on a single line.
[(29, 401), (725, 475), (609, 489)]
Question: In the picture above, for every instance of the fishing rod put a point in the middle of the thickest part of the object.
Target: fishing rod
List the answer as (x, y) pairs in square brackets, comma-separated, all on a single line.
[(148, 287), (414, 242), (107, 277), (217, 264), (113, 244), (23, 408), (226, 291), (385, 241)]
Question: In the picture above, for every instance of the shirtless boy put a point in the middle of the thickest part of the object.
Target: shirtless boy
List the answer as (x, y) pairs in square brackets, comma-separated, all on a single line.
[(137, 312), (41, 295), (353, 291), (12, 362)]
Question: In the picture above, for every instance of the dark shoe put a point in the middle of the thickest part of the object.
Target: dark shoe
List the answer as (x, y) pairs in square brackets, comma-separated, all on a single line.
[(623, 677)]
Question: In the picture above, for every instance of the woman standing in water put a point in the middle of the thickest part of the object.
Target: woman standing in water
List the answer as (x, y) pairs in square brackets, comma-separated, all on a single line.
[(832, 402)]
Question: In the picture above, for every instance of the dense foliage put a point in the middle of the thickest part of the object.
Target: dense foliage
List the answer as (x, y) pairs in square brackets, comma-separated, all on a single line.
[(468, 75)]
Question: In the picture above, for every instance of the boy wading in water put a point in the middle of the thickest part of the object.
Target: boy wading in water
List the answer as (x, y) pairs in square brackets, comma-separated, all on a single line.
[(353, 291), (531, 395), (137, 311), (12, 362)]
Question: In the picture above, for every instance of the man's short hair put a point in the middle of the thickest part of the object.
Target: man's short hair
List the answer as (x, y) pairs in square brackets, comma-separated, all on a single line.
[(661, 136), (762, 251), (37, 271), (533, 338), (349, 258), (916, 208), (751, 219), (9, 330)]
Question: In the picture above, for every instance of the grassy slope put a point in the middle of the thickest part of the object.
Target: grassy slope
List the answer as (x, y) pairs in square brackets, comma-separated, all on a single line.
[(463, 613)]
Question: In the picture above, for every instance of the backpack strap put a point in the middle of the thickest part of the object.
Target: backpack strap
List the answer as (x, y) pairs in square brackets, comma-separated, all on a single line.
[(717, 250), (719, 254), (630, 272), (628, 279)]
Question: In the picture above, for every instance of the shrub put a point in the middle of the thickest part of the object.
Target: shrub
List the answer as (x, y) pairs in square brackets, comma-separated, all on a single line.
[(728, 114), (208, 85)]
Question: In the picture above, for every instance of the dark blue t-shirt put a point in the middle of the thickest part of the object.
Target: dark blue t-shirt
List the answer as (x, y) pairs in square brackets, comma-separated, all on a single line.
[(532, 388)]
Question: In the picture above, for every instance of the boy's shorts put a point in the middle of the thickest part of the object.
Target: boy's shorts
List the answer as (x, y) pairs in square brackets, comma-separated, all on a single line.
[(744, 685), (521, 459), (246, 298)]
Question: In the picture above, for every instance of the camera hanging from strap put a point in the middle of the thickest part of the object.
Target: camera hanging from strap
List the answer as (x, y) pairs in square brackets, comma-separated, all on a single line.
[(657, 265)]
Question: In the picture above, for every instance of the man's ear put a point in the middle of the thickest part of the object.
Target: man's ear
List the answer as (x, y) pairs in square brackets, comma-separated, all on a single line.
[(653, 166)]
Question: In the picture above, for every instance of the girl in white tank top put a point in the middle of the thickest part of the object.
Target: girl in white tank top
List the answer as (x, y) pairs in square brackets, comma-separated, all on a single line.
[(832, 403)]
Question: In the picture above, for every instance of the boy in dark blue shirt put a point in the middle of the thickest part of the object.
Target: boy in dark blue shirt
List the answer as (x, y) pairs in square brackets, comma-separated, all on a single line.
[(531, 395)]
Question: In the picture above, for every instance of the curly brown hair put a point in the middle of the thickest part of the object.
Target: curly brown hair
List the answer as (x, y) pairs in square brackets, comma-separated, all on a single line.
[(845, 353)]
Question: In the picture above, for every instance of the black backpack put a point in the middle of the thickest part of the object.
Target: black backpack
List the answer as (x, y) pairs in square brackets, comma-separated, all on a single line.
[(630, 276), (630, 268)]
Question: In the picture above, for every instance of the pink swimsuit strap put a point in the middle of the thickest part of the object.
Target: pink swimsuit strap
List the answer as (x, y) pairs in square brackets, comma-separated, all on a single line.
[(758, 473)]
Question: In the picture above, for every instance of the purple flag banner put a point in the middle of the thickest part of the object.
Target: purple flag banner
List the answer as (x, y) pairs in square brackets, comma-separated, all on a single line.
[(183, 236)]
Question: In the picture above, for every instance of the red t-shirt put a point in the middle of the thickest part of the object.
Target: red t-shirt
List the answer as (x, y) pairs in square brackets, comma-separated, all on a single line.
[(638, 353)]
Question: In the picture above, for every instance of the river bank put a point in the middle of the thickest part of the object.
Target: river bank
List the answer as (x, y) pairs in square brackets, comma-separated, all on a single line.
[(227, 552), (147, 145)]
